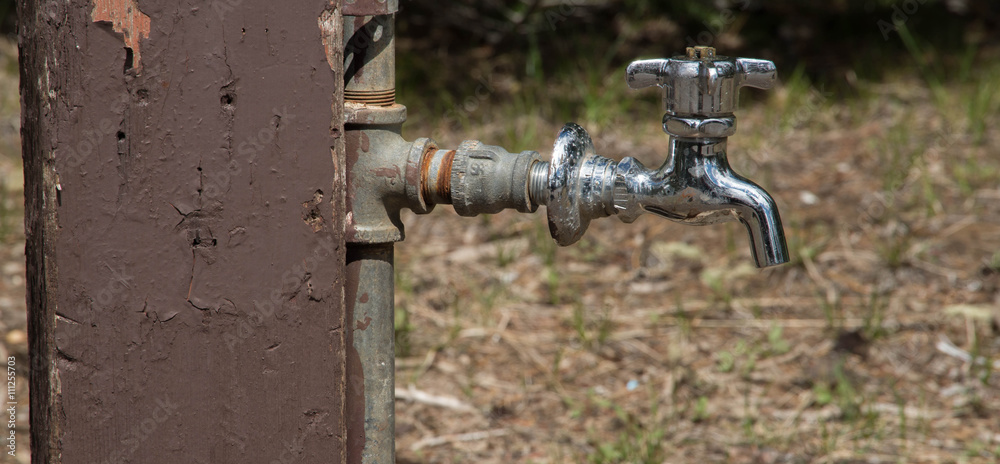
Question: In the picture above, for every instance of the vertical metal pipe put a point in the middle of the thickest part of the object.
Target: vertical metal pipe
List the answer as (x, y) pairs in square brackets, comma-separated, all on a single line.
[(370, 59), (369, 80), (371, 354)]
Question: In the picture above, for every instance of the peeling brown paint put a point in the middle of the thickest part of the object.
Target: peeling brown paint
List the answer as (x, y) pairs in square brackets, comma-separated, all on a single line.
[(330, 24), (186, 303), (363, 325), (125, 17)]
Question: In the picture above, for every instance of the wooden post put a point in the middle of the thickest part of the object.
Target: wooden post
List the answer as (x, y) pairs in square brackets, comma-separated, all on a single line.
[(184, 214)]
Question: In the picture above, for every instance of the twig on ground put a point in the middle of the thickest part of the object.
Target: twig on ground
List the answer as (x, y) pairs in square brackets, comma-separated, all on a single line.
[(813, 272), (459, 437), (699, 323), (502, 325), (945, 346), (908, 411), (417, 396)]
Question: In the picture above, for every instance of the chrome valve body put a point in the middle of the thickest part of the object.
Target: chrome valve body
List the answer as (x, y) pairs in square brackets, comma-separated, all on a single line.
[(695, 185)]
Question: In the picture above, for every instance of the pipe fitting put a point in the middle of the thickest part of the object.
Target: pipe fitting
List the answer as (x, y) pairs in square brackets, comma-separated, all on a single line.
[(576, 186), (377, 181), (419, 198), (487, 179), (388, 174)]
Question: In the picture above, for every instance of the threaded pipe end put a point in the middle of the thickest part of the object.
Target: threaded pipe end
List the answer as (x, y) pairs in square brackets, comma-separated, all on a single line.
[(538, 183)]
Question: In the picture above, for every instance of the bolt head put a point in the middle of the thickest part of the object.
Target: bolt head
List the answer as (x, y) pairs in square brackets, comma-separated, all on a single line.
[(701, 52)]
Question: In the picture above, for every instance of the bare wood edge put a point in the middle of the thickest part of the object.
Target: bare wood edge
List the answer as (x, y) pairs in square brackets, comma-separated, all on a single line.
[(331, 23), (37, 47)]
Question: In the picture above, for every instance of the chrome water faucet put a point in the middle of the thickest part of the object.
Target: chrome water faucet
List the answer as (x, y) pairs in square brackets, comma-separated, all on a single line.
[(695, 185), (385, 174)]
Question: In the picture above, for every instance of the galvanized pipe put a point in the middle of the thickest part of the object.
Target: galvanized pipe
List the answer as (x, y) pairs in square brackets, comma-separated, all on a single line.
[(371, 354), (370, 59), (372, 227)]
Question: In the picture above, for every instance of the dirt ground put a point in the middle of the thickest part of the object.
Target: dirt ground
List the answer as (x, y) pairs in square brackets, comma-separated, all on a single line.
[(656, 342)]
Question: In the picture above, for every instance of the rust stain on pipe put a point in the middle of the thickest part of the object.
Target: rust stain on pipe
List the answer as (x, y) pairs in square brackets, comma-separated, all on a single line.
[(125, 18), (444, 176), (425, 167), (391, 172), (442, 184)]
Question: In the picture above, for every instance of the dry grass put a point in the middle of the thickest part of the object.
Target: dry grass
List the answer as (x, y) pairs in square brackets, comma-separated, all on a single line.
[(656, 342)]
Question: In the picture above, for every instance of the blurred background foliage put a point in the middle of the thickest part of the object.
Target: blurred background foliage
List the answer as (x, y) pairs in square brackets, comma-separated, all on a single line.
[(820, 36), (563, 60), (7, 16), (834, 43)]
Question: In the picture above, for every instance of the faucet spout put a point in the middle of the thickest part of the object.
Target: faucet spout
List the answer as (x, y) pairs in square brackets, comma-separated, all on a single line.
[(696, 186), (757, 211)]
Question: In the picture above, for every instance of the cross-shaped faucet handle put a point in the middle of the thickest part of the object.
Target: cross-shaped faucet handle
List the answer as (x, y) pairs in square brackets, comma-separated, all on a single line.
[(701, 83)]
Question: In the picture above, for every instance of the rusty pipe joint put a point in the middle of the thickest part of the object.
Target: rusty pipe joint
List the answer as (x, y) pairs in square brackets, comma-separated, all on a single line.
[(389, 174), (475, 178), (486, 179)]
